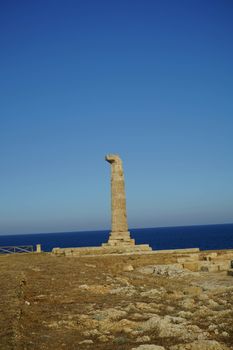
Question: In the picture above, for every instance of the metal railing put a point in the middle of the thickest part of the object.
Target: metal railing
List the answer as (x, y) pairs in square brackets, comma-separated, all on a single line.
[(16, 249)]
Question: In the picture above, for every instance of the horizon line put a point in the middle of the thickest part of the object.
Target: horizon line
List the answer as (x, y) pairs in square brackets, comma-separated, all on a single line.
[(99, 230)]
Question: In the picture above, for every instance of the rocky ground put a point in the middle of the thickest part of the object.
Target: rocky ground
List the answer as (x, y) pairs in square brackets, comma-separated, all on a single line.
[(112, 302)]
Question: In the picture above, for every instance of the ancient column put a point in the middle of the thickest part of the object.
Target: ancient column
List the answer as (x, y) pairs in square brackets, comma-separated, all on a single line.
[(119, 234)]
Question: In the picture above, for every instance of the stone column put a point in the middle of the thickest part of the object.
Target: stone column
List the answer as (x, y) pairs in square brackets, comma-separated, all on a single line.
[(119, 234)]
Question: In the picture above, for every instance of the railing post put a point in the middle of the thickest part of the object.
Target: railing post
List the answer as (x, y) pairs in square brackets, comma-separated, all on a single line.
[(38, 248)]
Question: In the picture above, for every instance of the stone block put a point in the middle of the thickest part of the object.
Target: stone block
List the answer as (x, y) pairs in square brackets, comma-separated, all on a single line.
[(209, 267), (107, 249), (224, 256), (179, 251), (210, 256), (192, 266), (224, 265)]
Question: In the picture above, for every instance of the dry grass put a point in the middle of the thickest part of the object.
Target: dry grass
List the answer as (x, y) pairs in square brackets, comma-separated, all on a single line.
[(41, 299)]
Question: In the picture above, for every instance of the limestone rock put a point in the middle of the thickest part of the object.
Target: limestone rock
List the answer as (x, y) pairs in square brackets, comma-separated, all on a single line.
[(187, 303), (193, 290), (200, 345), (149, 347), (188, 258), (103, 338), (110, 314), (151, 324), (86, 341), (223, 265), (153, 293), (147, 270), (225, 334), (122, 326), (210, 256), (185, 314), (143, 339), (171, 270), (128, 268), (129, 291), (91, 333), (84, 286), (209, 267), (170, 326), (192, 266)]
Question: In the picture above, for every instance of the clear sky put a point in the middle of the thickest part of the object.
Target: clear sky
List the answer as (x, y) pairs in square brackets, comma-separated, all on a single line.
[(151, 80)]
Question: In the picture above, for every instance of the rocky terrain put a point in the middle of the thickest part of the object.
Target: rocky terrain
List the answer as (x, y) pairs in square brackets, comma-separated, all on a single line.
[(143, 302)]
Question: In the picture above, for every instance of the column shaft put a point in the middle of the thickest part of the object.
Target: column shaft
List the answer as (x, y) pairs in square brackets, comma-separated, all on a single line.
[(120, 234)]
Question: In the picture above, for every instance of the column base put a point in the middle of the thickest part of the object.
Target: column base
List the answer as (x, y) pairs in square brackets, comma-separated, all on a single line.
[(119, 239)]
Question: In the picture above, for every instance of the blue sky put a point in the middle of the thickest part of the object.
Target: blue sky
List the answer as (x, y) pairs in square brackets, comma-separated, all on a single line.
[(150, 80)]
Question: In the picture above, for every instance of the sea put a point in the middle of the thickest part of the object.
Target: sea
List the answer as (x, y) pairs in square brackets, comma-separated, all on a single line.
[(205, 237)]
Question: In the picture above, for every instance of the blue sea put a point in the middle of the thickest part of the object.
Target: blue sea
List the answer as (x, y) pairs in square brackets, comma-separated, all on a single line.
[(205, 237)]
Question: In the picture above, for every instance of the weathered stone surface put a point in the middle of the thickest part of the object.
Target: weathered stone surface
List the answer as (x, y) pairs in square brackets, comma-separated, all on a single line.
[(149, 347), (170, 326), (104, 249), (223, 265), (210, 256), (182, 250), (86, 341), (110, 314), (171, 270), (200, 345), (193, 290), (192, 266), (143, 339), (188, 258), (128, 268), (153, 293), (208, 267), (207, 263), (120, 233)]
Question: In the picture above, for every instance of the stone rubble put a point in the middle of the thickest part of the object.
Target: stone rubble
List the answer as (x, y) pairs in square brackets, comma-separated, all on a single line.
[(172, 271)]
